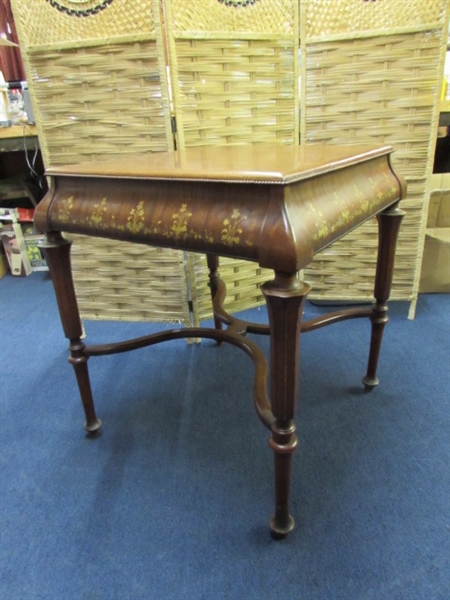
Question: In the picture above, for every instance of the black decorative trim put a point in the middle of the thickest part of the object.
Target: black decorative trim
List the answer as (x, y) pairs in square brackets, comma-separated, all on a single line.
[(73, 12), (238, 3)]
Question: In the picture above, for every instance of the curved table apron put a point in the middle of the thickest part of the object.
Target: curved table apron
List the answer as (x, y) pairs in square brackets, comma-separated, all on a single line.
[(275, 205)]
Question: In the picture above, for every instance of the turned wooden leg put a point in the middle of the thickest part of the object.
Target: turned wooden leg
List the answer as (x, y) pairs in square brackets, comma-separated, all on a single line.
[(57, 250), (213, 266), (388, 228), (285, 297)]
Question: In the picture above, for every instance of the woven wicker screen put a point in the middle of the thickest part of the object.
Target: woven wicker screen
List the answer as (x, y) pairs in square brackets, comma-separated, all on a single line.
[(97, 80), (350, 19), (241, 72), (97, 76), (234, 71), (372, 74), (234, 81)]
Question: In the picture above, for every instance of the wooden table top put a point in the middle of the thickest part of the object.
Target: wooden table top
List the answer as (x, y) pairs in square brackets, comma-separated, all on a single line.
[(272, 164)]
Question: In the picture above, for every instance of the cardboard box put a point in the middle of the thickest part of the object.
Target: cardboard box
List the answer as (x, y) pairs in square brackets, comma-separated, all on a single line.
[(439, 207), (435, 277)]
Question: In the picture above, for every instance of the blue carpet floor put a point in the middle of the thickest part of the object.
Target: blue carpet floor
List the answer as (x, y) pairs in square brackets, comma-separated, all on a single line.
[(173, 500)]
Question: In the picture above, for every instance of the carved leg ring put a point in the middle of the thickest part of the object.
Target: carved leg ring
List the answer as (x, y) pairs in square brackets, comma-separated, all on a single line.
[(285, 297), (388, 227), (57, 250)]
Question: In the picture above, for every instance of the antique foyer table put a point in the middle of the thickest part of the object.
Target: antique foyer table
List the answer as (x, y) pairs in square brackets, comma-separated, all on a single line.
[(276, 205)]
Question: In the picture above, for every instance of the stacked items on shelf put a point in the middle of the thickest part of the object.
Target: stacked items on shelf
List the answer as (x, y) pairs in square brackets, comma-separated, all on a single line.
[(20, 242)]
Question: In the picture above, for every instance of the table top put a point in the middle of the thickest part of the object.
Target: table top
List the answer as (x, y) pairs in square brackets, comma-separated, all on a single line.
[(271, 164)]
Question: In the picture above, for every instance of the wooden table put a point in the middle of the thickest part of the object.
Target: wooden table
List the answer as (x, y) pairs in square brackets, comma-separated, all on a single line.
[(276, 205)]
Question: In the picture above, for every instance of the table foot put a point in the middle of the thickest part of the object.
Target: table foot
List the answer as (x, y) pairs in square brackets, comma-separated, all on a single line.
[(370, 383), (93, 429), (280, 532)]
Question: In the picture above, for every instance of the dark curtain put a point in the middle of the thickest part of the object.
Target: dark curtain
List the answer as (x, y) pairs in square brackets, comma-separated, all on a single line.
[(10, 60)]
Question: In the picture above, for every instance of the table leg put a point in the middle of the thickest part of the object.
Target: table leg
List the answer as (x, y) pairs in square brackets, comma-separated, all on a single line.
[(285, 297), (388, 227), (57, 250), (213, 266)]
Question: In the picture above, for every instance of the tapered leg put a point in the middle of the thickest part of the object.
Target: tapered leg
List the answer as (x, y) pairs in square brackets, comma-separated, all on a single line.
[(57, 250), (388, 227), (285, 297)]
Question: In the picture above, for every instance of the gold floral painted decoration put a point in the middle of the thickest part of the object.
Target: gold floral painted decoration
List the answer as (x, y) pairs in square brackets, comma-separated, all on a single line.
[(97, 215), (346, 217), (231, 231), (135, 221), (65, 209), (180, 220), (98, 219)]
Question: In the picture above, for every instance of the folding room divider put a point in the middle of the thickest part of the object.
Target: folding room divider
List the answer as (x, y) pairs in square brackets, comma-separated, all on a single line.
[(117, 77)]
